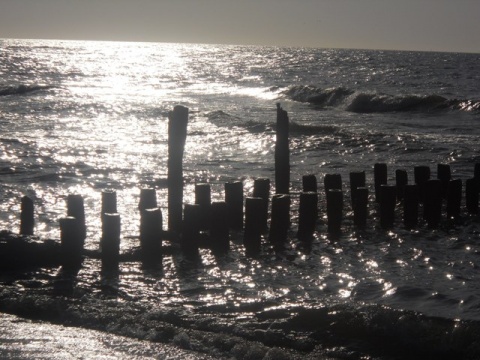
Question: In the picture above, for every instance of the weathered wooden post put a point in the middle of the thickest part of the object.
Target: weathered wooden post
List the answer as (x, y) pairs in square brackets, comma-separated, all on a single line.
[(177, 135), (151, 235), (388, 199), (380, 178), (309, 183), (203, 198), (307, 215), (280, 220), (190, 231), (432, 207), (71, 243), (282, 153), (471, 194), (444, 175), (148, 199), (421, 175), (454, 198), (334, 210), (76, 209), (110, 241), (332, 181), (401, 180), (261, 189), (360, 209), (254, 227), (234, 200), (27, 221), (410, 206), (219, 232), (357, 179), (109, 202)]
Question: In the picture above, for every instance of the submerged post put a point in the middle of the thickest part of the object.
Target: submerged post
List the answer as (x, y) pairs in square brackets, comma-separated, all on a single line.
[(177, 135), (282, 153), (27, 221)]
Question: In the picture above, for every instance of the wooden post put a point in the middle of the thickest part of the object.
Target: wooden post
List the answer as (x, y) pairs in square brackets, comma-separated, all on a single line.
[(190, 231), (109, 202), (309, 183), (282, 153), (261, 189), (219, 233), (334, 210), (421, 176), (203, 198), (110, 241), (388, 199), (444, 175), (357, 179), (151, 235), (71, 243), (254, 210), (360, 210), (177, 135), (380, 178), (432, 207), (410, 206), (27, 221), (454, 198), (471, 194), (234, 200), (476, 172), (148, 199), (332, 181), (401, 180), (307, 215), (76, 209), (280, 220)]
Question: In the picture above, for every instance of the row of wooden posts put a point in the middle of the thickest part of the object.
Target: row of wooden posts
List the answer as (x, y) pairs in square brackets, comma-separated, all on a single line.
[(190, 220)]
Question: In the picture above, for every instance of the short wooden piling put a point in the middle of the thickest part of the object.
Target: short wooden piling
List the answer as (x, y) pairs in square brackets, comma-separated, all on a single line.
[(309, 183), (410, 206), (360, 210), (71, 243), (444, 175), (109, 202), (280, 220), (254, 227), (454, 198), (332, 181), (203, 198), (261, 189), (148, 199), (334, 210), (234, 200), (110, 240), (380, 178), (471, 194), (27, 220), (177, 135), (388, 199), (189, 241), (151, 235), (357, 179), (76, 209), (401, 180), (219, 230), (282, 153), (307, 215), (421, 175), (432, 207)]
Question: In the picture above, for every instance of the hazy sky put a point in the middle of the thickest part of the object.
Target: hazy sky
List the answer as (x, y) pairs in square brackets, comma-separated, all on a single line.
[(444, 25)]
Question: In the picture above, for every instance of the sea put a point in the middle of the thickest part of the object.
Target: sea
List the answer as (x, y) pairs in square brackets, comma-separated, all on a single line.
[(80, 117)]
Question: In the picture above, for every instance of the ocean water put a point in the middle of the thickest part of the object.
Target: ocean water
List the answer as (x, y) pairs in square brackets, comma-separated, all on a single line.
[(83, 117)]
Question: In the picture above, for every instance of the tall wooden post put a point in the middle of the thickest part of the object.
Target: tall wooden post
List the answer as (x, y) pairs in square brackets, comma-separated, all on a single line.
[(177, 135), (282, 153)]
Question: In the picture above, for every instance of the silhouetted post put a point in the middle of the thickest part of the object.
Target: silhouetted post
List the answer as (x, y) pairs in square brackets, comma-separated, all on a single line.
[(444, 175), (71, 242), (476, 172), (380, 178), (234, 200), (334, 210), (254, 227), (148, 199), (357, 179), (401, 180), (307, 215), (27, 221), (280, 220), (190, 230), (421, 176), (110, 241), (177, 135), (454, 198), (410, 206), (388, 199), (332, 181), (203, 198), (151, 235), (432, 207), (76, 209), (471, 193), (109, 202), (360, 210), (219, 233), (309, 183), (261, 189), (282, 153)]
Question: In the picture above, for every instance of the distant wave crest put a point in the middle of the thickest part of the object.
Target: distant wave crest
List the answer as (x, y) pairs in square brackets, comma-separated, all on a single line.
[(369, 102), (23, 89)]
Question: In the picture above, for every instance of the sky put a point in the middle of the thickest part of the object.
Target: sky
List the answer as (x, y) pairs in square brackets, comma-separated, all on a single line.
[(431, 25)]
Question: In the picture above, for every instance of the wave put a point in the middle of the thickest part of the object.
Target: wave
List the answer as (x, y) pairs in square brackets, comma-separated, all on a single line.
[(369, 102), (23, 89)]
